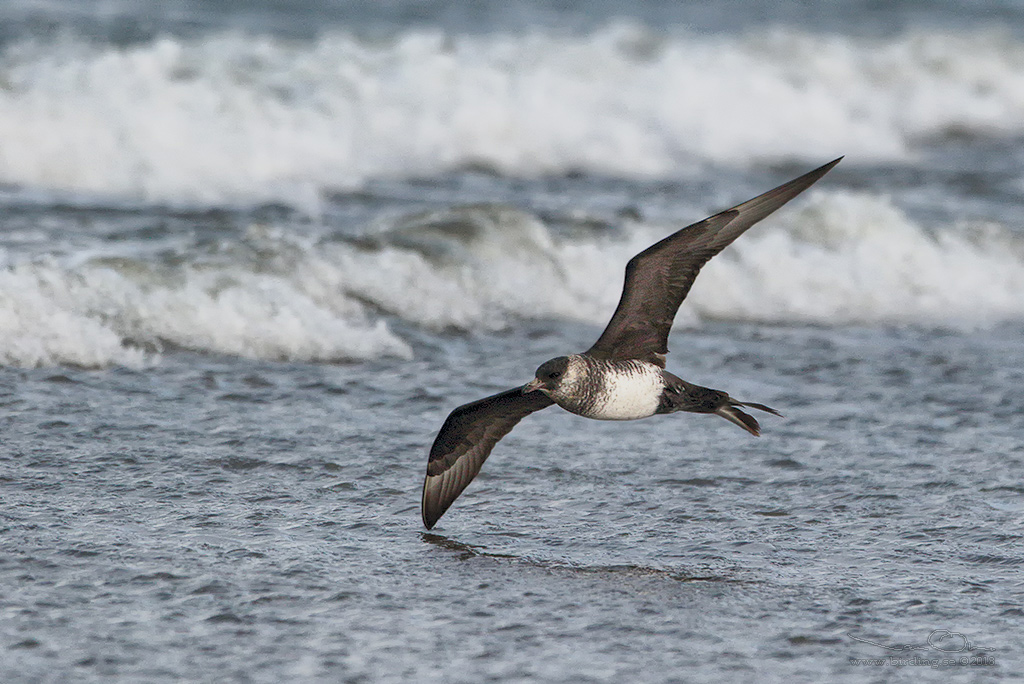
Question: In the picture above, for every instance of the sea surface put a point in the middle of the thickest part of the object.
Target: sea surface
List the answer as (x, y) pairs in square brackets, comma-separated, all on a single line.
[(252, 254)]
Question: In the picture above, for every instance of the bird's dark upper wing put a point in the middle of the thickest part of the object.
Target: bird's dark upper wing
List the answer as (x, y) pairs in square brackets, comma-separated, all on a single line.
[(465, 441), (658, 278)]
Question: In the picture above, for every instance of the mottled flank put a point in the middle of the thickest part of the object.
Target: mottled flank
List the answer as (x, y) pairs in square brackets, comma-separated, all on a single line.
[(610, 390)]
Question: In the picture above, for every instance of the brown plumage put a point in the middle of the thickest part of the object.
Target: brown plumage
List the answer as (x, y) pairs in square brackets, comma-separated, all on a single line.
[(659, 278), (622, 376), (465, 441)]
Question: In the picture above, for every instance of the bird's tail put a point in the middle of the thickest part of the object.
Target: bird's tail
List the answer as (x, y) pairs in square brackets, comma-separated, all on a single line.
[(731, 412)]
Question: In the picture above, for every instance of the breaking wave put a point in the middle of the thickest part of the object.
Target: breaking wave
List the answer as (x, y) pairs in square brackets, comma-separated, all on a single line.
[(839, 258), (231, 117)]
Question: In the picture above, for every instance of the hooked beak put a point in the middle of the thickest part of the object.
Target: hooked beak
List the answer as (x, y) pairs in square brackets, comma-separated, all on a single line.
[(532, 386)]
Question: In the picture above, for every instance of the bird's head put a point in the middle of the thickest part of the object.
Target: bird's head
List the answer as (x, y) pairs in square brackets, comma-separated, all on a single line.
[(549, 376)]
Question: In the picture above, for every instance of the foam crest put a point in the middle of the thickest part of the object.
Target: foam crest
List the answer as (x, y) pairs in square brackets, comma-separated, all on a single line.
[(839, 258), (97, 314), (474, 267), (239, 118), (40, 326), (856, 258)]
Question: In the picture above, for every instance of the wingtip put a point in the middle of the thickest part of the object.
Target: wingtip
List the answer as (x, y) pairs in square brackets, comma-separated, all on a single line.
[(430, 508), (430, 518), (755, 209), (822, 170)]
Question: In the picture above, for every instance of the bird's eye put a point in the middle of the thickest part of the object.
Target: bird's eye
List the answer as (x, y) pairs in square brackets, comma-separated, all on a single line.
[(554, 374)]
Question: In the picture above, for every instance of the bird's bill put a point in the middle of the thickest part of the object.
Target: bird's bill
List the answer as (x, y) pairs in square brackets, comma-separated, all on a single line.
[(532, 386)]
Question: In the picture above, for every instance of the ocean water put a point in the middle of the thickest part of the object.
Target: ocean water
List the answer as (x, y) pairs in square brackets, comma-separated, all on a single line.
[(251, 257)]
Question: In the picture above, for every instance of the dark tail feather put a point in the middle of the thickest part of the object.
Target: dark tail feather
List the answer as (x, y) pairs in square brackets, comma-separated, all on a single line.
[(733, 414), (760, 407)]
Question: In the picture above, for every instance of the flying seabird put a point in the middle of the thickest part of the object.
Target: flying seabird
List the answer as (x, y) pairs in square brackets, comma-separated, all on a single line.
[(623, 376)]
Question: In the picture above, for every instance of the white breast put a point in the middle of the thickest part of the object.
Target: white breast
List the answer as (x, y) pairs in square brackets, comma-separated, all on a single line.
[(629, 395)]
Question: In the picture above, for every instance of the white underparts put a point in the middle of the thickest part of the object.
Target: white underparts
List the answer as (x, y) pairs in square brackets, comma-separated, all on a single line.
[(629, 395), (610, 391)]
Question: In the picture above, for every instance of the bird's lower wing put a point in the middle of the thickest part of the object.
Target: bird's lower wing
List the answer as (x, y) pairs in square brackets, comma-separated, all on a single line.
[(465, 441)]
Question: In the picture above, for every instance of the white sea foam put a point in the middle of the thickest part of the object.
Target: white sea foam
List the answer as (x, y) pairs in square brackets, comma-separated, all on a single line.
[(40, 327), (855, 258), (99, 314), (839, 258), (232, 117)]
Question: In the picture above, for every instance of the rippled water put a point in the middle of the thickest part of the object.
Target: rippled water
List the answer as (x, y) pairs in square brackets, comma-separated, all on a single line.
[(209, 518), (251, 257)]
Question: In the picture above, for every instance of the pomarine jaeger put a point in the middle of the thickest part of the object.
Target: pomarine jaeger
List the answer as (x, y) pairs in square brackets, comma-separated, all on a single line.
[(623, 376)]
